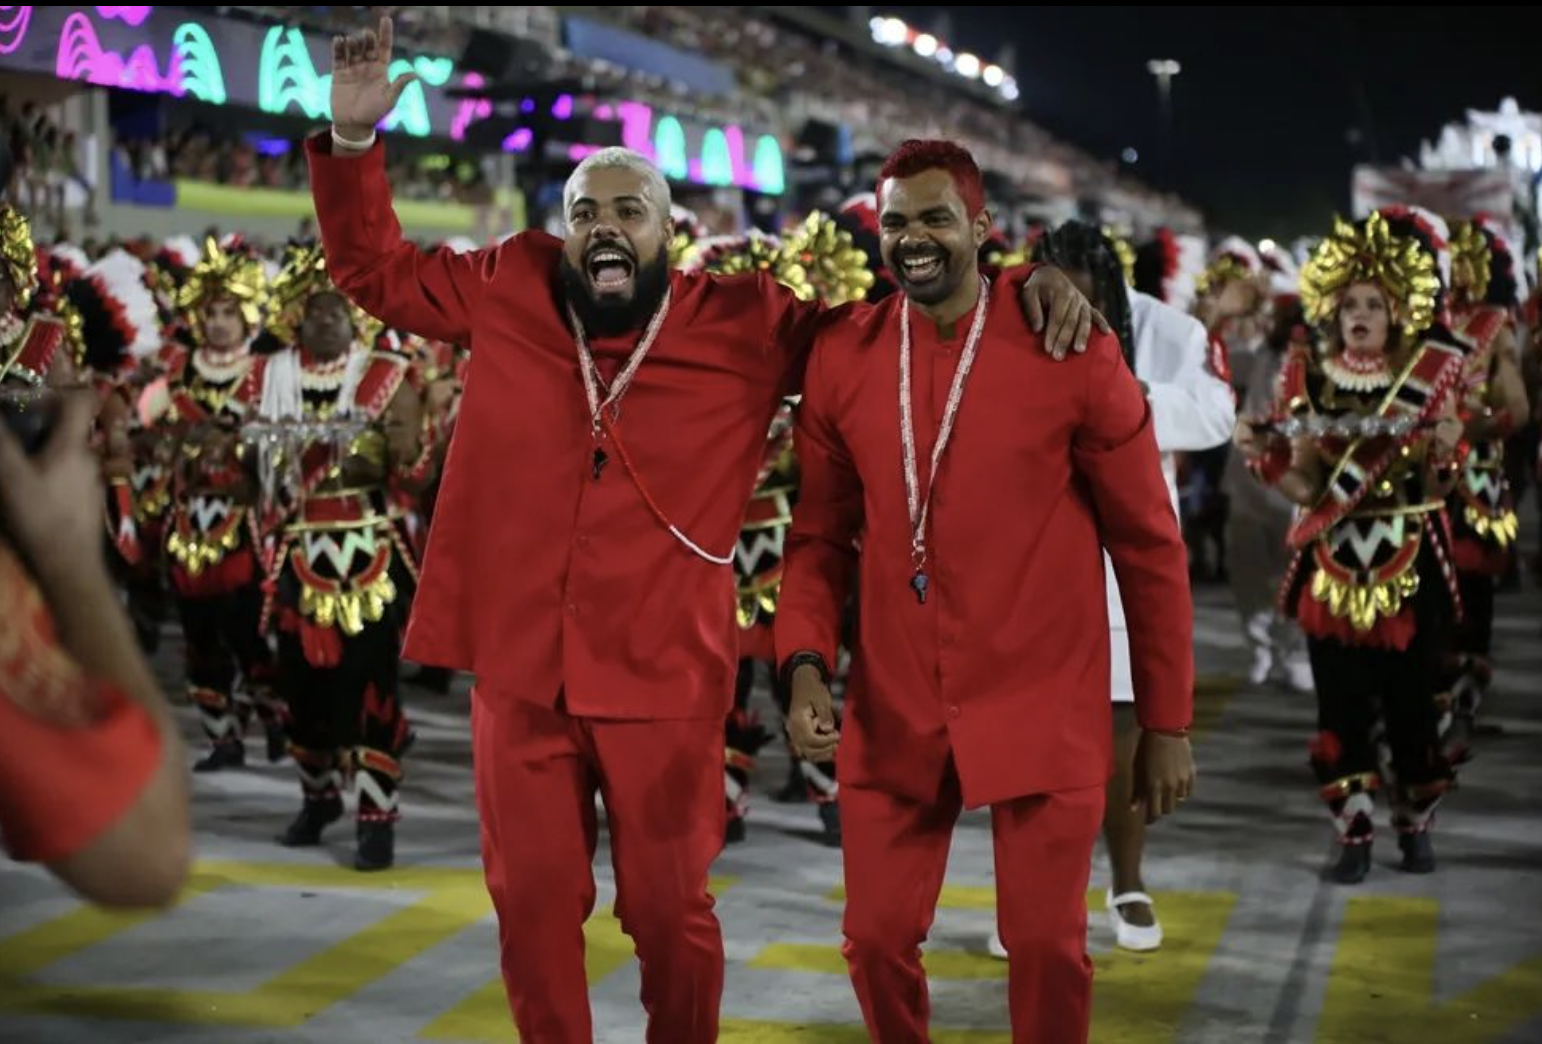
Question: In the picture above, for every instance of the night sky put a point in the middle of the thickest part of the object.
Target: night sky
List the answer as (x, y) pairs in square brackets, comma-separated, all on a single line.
[(1274, 104)]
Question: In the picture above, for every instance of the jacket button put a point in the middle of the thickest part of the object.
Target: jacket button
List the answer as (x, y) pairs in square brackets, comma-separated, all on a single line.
[(572, 609), (953, 711)]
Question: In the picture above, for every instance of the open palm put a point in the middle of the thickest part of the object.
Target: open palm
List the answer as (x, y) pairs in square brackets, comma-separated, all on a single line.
[(362, 91)]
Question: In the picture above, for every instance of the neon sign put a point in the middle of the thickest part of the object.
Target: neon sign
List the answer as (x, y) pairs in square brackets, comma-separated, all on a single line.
[(13, 27), (194, 57), (720, 157), (134, 16), (470, 110), (275, 69), (192, 67), (287, 78), (216, 60)]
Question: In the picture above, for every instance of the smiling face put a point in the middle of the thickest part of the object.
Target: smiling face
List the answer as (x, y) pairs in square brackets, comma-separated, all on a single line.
[(928, 240)]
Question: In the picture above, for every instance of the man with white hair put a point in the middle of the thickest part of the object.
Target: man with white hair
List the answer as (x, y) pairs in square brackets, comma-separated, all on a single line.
[(598, 617)]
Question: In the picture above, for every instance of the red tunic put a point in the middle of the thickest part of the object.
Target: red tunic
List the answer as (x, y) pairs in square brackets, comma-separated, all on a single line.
[(1005, 667), (538, 578)]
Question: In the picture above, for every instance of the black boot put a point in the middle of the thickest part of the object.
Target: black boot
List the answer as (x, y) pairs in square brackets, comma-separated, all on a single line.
[(278, 743), (1418, 853), (435, 679), (1353, 863), (147, 630), (223, 756), (795, 790), (735, 831), (1456, 744), (313, 818), (377, 845), (830, 819)]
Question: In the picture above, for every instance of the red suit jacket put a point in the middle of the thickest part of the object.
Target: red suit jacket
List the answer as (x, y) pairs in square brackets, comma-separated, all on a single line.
[(1005, 667), (538, 578)]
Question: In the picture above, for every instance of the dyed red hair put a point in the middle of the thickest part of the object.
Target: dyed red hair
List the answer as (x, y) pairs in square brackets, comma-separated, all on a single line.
[(918, 156)]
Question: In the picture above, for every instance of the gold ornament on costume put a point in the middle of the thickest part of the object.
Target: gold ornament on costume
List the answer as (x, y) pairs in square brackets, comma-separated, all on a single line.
[(1372, 253), (834, 266), (817, 259), (303, 276), (74, 330), (1366, 597), (1501, 529), (17, 255), (735, 255), (1223, 271), (682, 251), (224, 273), (349, 607), (1124, 252), (1009, 258), (1472, 262), (198, 550)]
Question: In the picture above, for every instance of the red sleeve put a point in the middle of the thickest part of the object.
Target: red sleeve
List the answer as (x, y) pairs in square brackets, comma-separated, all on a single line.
[(431, 293), (1116, 453), (793, 326), (821, 557)]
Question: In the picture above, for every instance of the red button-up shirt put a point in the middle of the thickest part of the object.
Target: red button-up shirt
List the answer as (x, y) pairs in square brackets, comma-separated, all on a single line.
[(1005, 667), (538, 578)]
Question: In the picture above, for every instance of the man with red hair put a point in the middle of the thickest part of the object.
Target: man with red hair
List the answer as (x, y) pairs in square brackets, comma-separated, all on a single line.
[(984, 483)]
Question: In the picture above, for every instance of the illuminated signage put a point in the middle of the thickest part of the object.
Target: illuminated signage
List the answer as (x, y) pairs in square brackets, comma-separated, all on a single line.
[(188, 53), (683, 148), (185, 52)]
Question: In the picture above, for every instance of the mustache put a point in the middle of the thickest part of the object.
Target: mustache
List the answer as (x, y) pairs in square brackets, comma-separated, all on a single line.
[(610, 246), (924, 252)]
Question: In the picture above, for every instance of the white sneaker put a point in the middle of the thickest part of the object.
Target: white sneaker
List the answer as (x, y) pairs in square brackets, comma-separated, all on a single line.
[(1263, 664), (997, 950), (1298, 675), (1135, 937)]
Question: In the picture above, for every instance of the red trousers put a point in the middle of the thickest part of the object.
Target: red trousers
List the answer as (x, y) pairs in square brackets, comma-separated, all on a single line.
[(896, 851), (537, 771)]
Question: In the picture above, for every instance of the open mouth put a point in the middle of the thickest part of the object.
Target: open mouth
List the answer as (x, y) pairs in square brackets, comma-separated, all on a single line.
[(610, 270), (922, 267), (1359, 330)]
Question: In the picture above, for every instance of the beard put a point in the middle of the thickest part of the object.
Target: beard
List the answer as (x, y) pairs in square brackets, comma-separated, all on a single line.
[(611, 317)]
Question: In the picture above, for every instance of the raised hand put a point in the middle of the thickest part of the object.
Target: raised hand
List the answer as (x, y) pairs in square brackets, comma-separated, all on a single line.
[(362, 91)]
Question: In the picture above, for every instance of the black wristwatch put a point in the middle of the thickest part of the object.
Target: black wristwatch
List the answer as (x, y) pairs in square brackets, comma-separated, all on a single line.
[(800, 659)]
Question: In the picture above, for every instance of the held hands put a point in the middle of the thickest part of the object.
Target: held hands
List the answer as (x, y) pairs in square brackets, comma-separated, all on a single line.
[(811, 716)]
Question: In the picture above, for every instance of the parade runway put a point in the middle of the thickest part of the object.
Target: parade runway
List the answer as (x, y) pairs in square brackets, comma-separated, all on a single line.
[(276, 945)]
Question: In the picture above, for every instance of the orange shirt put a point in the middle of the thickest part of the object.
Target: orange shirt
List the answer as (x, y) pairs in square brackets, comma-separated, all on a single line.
[(75, 754)]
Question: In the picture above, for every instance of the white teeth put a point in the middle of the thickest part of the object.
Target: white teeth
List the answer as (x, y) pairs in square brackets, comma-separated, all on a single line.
[(607, 257), (922, 262)]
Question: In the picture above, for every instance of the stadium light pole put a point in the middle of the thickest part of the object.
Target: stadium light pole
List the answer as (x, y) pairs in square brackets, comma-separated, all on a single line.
[(1164, 69)]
